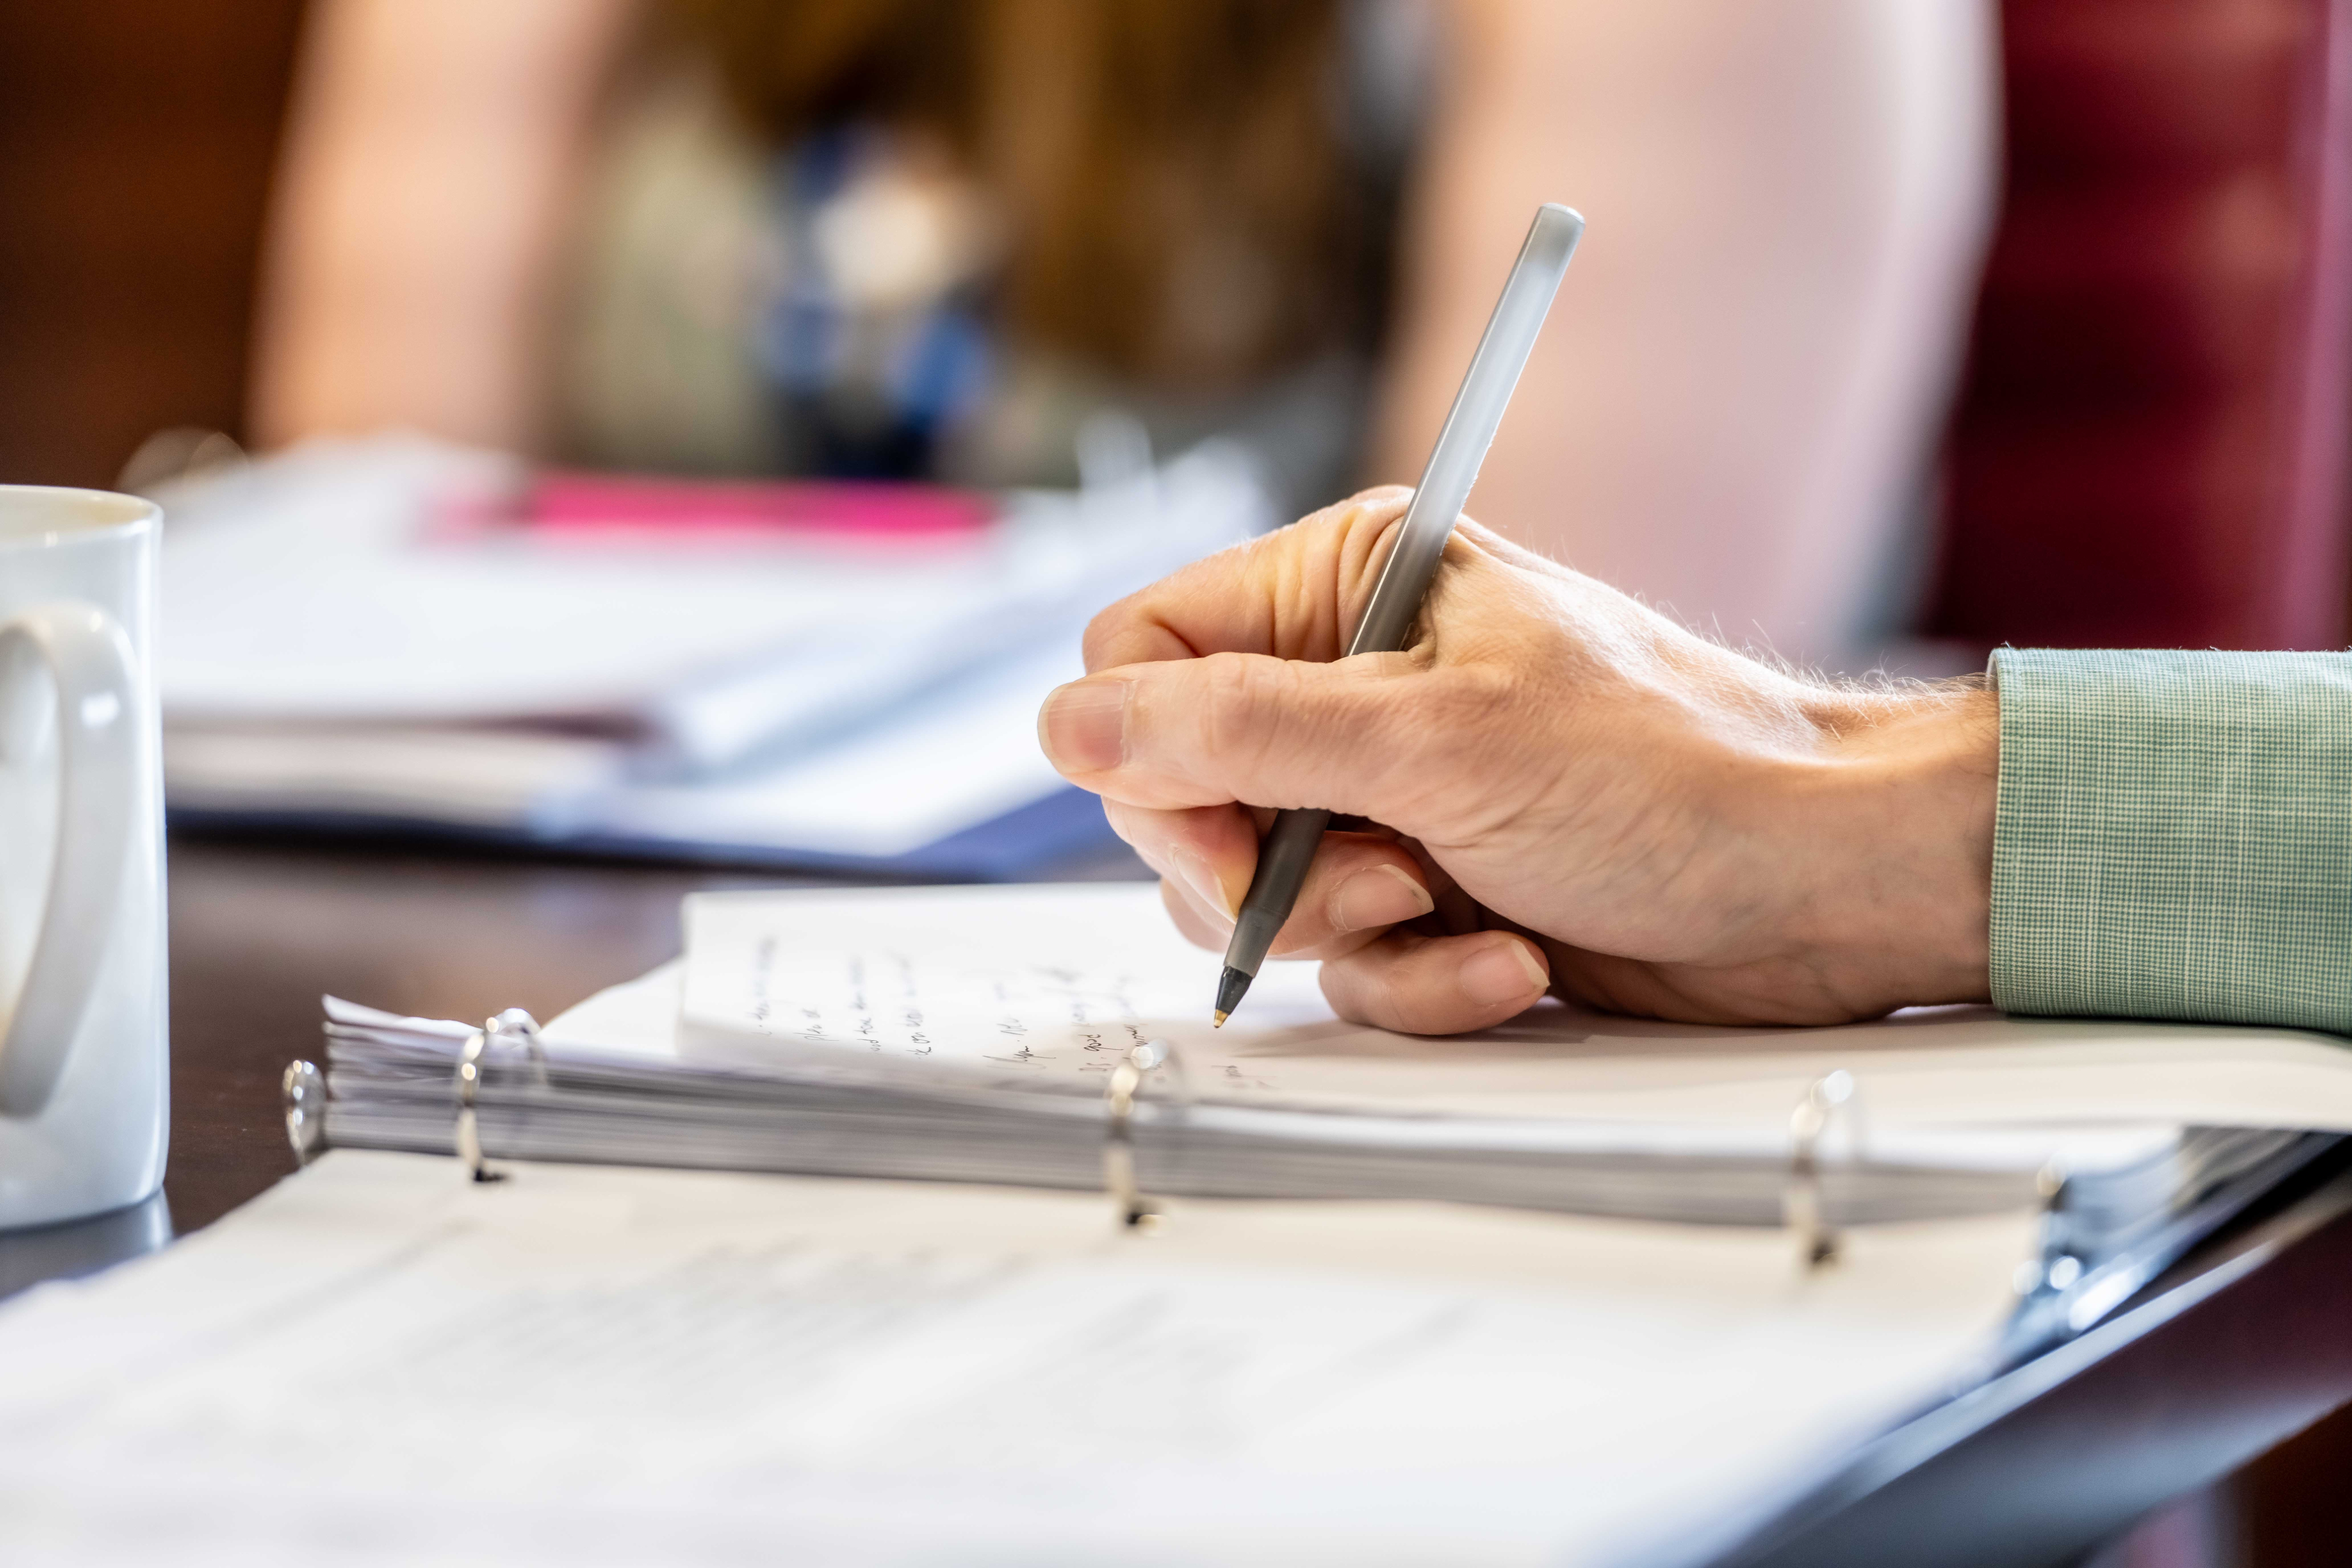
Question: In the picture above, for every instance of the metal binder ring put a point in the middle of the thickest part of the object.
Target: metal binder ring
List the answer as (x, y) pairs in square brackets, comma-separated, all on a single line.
[(469, 1127), (520, 1024), (1801, 1209), (1133, 1209), (303, 1093), (467, 1084)]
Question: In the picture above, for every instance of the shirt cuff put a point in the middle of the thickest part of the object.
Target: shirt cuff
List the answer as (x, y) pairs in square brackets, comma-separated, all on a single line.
[(2174, 836)]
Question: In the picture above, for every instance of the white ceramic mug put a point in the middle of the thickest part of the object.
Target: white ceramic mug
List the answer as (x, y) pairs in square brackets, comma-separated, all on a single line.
[(83, 1082)]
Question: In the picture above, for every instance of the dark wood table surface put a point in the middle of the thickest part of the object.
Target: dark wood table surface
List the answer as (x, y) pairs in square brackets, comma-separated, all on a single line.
[(2235, 1351), (259, 932)]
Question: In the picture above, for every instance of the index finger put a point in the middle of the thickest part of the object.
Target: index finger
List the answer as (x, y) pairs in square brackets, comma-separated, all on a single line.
[(1295, 593)]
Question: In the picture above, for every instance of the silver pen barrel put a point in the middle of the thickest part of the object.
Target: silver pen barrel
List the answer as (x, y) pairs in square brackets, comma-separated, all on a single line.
[(1288, 849)]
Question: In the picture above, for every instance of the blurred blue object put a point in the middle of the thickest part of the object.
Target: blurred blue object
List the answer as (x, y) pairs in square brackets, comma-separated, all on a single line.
[(1053, 831)]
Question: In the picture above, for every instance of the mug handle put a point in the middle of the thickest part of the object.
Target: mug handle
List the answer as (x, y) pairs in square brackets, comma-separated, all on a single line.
[(89, 658)]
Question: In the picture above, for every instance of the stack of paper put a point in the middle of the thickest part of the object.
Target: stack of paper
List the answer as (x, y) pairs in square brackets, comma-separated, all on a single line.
[(342, 647), (968, 1035)]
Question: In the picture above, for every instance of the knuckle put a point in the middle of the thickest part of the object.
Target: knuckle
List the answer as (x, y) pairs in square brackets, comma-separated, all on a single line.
[(1243, 706), (1145, 828), (1346, 515), (1103, 634), (1385, 999), (1342, 987), (1363, 989)]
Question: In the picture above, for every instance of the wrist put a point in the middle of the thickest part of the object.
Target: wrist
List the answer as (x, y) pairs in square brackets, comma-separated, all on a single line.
[(1898, 827)]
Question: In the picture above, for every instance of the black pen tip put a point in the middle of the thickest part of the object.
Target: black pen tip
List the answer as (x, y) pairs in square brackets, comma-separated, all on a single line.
[(1231, 986)]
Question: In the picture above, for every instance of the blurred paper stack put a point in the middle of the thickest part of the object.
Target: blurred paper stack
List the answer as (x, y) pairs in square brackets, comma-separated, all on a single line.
[(395, 636)]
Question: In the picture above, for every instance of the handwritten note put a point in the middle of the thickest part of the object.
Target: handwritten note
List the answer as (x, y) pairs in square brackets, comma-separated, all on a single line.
[(1032, 1004), (886, 1003)]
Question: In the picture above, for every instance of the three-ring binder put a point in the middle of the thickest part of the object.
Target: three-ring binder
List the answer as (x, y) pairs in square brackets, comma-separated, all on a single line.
[(1805, 1211)]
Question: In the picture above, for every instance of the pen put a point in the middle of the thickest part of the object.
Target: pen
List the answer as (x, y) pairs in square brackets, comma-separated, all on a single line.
[(1289, 846)]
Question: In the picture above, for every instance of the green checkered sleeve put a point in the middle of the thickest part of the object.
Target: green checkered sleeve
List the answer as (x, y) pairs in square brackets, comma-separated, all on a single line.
[(2174, 836)]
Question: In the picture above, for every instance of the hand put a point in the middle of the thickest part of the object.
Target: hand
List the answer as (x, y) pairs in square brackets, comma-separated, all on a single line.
[(1558, 789)]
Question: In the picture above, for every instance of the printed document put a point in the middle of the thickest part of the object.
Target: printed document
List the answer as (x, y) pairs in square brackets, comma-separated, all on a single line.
[(382, 1363)]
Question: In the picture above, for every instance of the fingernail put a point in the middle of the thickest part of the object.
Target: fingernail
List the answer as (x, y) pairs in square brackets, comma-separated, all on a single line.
[(1201, 878), (1503, 971), (1378, 895), (1083, 726)]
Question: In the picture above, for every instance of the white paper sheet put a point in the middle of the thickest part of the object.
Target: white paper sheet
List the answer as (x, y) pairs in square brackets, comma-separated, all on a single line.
[(1110, 951), (381, 1363), (952, 760), (315, 587), (935, 766), (305, 588)]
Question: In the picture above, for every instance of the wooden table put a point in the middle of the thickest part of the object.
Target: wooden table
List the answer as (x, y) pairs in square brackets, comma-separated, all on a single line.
[(2243, 1346), (259, 933)]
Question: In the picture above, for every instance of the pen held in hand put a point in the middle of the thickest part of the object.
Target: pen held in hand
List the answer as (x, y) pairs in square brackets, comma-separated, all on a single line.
[(1290, 844)]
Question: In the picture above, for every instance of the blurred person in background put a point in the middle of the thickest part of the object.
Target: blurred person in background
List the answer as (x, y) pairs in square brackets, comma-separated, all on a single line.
[(927, 239), (877, 238)]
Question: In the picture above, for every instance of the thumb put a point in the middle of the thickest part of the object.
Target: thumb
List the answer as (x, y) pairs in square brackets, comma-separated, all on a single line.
[(1240, 727)]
